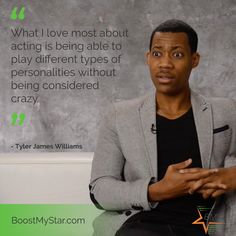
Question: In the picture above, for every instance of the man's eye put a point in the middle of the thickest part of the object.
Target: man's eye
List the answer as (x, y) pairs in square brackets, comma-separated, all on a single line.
[(178, 54), (156, 54)]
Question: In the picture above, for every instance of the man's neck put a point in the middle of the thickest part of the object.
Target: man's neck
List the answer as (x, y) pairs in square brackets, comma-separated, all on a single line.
[(173, 106)]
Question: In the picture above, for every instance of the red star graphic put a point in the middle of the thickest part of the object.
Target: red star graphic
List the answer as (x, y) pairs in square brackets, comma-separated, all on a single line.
[(205, 227)]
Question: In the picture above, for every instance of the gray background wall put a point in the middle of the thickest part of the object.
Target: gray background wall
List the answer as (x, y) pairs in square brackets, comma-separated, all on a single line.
[(73, 117)]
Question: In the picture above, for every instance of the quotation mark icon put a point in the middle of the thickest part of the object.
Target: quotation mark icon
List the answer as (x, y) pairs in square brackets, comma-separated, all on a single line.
[(19, 16), (15, 118)]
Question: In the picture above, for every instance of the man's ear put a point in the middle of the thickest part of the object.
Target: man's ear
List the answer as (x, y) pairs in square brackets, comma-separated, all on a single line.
[(147, 55), (195, 59)]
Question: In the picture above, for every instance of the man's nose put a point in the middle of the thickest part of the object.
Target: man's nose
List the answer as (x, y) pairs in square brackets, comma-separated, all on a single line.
[(166, 62)]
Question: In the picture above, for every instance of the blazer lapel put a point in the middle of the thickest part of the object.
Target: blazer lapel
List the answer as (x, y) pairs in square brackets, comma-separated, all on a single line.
[(148, 117), (204, 126)]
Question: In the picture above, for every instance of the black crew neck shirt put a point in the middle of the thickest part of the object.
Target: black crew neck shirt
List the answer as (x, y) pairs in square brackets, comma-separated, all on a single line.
[(176, 142)]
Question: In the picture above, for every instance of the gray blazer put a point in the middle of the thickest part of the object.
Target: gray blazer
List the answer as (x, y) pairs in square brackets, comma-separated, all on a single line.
[(125, 159)]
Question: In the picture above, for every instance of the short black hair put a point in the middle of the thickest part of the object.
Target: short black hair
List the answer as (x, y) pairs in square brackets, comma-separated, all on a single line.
[(177, 26)]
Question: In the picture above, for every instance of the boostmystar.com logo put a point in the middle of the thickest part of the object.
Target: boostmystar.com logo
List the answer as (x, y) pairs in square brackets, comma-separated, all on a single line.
[(46, 220), (209, 226)]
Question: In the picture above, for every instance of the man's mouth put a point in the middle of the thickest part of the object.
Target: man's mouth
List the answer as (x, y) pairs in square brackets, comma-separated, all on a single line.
[(165, 79)]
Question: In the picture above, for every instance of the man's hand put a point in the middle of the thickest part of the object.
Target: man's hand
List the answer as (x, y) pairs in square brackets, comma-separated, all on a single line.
[(175, 183), (215, 185)]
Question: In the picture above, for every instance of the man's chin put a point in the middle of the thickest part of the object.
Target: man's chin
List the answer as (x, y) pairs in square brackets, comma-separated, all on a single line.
[(170, 91)]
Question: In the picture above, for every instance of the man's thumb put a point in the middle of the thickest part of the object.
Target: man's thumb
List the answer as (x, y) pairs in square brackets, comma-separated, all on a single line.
[(183, 164)]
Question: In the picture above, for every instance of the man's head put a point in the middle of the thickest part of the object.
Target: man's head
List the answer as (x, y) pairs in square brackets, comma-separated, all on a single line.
[(177, 26), (172, 55)]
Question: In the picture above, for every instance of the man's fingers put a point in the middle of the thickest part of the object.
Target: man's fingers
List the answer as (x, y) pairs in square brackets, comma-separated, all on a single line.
[(217, 193), (201, 174), (202, 186), (202, 183), (190, 170), (207, 193), (196, 170), (197, 185), (210, 193), (182, 165), (215, 186)]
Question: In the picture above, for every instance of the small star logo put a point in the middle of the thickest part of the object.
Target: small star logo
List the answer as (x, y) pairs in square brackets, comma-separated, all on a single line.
[(201, 221)]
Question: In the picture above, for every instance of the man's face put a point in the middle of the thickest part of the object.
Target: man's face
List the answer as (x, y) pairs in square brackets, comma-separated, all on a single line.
[(170, 62)]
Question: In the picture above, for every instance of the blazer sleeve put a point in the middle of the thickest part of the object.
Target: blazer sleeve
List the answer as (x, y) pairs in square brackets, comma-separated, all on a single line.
[(108, 189)]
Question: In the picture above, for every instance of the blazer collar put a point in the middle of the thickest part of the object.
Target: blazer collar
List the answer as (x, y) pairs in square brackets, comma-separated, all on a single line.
[(203, 121)]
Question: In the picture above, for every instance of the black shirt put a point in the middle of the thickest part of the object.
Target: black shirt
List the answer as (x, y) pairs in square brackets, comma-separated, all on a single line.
[(176, 142)]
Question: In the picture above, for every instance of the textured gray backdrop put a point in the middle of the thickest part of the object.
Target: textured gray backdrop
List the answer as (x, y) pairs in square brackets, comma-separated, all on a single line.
[(73, 117)]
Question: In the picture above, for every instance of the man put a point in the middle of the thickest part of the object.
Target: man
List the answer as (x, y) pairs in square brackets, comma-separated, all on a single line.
[(160, 157)]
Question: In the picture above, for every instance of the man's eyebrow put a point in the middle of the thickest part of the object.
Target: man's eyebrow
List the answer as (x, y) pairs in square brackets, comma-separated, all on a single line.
[(173, 48)]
